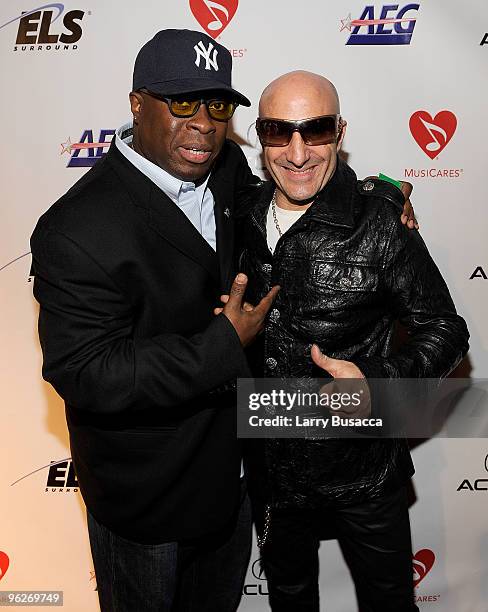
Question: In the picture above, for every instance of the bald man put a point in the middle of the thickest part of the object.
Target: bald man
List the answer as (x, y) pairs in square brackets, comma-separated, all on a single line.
[(348, 270)]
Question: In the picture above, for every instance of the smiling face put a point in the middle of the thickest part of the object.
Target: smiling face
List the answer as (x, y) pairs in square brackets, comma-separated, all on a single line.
[(300, 171), (184, 147)]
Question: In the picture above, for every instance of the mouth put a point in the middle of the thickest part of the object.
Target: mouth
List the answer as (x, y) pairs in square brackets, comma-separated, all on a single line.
[(299, 174), (195, 154)]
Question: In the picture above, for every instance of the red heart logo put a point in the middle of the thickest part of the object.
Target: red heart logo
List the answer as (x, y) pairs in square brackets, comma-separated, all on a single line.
[(432, 135), (423, 561), (214, 17), (4, 563)]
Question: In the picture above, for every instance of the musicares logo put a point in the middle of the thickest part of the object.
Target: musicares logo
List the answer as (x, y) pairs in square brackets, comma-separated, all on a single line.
[(423, 561), (432, 134), (214, 17), (4, 563)]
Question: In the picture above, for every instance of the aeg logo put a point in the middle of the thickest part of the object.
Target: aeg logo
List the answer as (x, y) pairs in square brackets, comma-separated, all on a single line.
[(369, 30), (94, 149)]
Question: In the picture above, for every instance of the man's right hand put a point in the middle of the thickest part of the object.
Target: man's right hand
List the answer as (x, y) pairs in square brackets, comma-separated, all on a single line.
[(248, 321)]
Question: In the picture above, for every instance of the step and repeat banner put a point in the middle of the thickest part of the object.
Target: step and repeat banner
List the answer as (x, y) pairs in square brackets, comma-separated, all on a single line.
[(412, 79)]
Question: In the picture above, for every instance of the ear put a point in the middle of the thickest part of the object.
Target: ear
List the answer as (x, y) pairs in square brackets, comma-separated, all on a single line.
[(342, 133), (136, 104)]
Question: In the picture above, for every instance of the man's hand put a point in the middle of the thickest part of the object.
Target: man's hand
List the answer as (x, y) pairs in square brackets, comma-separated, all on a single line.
[(247, 320), (339, 368), (225, 298), (408, 215)]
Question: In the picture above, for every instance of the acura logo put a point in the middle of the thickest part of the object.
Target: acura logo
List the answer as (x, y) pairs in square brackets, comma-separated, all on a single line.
[(257, 570)]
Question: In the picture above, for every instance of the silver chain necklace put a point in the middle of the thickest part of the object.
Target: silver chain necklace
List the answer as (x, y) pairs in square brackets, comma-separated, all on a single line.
[(273, 210), (275, 217)]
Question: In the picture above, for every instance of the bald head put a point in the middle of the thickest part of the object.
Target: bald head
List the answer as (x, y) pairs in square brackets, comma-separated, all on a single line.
[(299, 95), (299, 168)]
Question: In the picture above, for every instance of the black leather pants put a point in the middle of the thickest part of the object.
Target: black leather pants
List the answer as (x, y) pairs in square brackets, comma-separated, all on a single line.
[(375, 540)]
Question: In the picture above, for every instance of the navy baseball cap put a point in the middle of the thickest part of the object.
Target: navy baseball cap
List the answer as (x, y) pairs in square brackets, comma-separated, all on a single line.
[(184, 61)]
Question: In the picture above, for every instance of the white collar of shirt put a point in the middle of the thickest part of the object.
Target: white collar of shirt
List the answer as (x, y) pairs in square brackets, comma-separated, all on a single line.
[(172, 186)]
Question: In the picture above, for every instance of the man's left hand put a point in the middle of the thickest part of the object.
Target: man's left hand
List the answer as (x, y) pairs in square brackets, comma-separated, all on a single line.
[(339, 368), (408, 214)]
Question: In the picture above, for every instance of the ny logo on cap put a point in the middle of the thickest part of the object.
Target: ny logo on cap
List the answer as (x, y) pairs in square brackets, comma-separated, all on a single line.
[(205, 53)]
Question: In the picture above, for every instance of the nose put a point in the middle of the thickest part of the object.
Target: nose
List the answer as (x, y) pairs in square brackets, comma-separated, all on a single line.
[(297, 151), (201, 121)]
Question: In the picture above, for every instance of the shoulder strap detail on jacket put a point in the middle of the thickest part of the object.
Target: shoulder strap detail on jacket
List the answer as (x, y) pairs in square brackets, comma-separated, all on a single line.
[(381, 189)]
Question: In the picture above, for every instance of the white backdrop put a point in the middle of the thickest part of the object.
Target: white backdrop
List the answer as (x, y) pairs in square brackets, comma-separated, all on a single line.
[(66, 72)]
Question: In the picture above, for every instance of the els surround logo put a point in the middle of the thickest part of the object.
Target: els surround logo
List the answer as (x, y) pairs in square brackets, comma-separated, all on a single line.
[(4, 563), (94, 150), (423, 561), (392, 27), (476, 485), (40, 30), (433, 134), (214, 17), (61, 477)]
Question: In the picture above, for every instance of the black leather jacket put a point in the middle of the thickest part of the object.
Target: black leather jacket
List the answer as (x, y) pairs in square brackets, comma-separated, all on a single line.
[(348, 271)]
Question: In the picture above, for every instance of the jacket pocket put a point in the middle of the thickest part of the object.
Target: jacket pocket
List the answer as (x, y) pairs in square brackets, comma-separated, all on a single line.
[(344, 276)]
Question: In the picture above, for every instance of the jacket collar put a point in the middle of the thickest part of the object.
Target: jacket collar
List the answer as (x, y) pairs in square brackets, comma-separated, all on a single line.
[(167, 219), (221, 184), (334, 204)]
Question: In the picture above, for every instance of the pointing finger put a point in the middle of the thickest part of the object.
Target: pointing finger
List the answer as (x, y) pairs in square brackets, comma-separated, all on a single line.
[(265, 304)]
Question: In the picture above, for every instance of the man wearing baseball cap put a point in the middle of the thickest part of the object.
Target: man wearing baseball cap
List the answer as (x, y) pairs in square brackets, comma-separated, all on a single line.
[(128, 267)]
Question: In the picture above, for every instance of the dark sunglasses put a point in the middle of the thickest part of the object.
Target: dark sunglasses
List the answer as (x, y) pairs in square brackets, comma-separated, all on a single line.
[(314, 131), (220, 110)]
